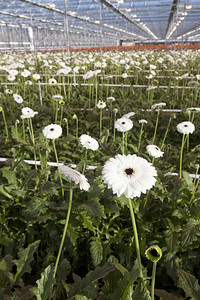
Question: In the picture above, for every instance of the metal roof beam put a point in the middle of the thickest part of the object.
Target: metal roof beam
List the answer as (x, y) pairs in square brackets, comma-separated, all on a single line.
[(171, 15)]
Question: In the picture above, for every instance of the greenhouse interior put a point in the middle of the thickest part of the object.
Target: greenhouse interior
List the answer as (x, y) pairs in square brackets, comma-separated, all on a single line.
[(100, 155)]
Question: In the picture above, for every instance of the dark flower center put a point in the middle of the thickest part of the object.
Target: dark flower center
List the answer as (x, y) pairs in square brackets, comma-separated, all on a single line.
[(156, 148), (123, 123), (185, 125), (52, 129), (154, 252), (129, 172)]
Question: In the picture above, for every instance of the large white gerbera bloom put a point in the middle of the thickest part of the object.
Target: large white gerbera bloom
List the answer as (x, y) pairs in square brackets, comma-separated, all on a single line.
[(28, 113), (52, 131), (130, 175), (123, 124), (88, 142), (185, 127), (154, 151), (76, 176)]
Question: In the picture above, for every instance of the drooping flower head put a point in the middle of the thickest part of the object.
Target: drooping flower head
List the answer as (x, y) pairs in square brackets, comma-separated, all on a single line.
[(153, 253), (52, 131), (154, 151), (123, 124), (28, 113), (76, 176), (88, 142), (185, 127), (128, 115), (143, 121), (158, 105), (129, 175)]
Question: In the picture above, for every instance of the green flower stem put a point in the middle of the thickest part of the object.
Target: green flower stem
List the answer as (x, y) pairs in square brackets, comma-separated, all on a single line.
[(111, 112), (5, 123), (100, 122), (64, 231), (181, 157), (140, 137), (63, 81), (126, 138), (156, 126), (54, 147), (114, 127), (23, 129), (85, 160), (122, 142), (195, 185), (96, 90), (166, 132), (56, 113), (136, 236), (61, 114), (76, 128), (67, 127), (30, 126), (16, 130), (153, 280)]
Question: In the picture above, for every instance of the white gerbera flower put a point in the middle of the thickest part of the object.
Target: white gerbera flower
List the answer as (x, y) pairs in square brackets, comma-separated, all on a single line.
[(110, 98), (128, 115), (130, 175), (57, 97), (185, 127), (124, 75), (123, 124), (143, 121), (11, 77), (88, 142), (28, 82), (52, 81), (36, 76), (198, 77), (18, 98), (158, 105), (13, 72), (8, 91), (28, 113), (74, 175), (154, 151), (151, 87), (194, 109), (52, 131), (101, 104), (88, 75)]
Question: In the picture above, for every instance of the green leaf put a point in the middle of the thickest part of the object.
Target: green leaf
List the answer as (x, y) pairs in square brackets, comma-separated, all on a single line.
[(10, 176), (81, 297), (82, 284), (6, 265), (141, 292), (2, 191), (25, 258), (96, 250), (189, 284), (126, 284), (44, 284), (188, 180), (190, 233), (94, 208), (166, 296)]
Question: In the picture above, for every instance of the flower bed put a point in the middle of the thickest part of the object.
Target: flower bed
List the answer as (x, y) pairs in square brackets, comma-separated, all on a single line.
[(122, 229)]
